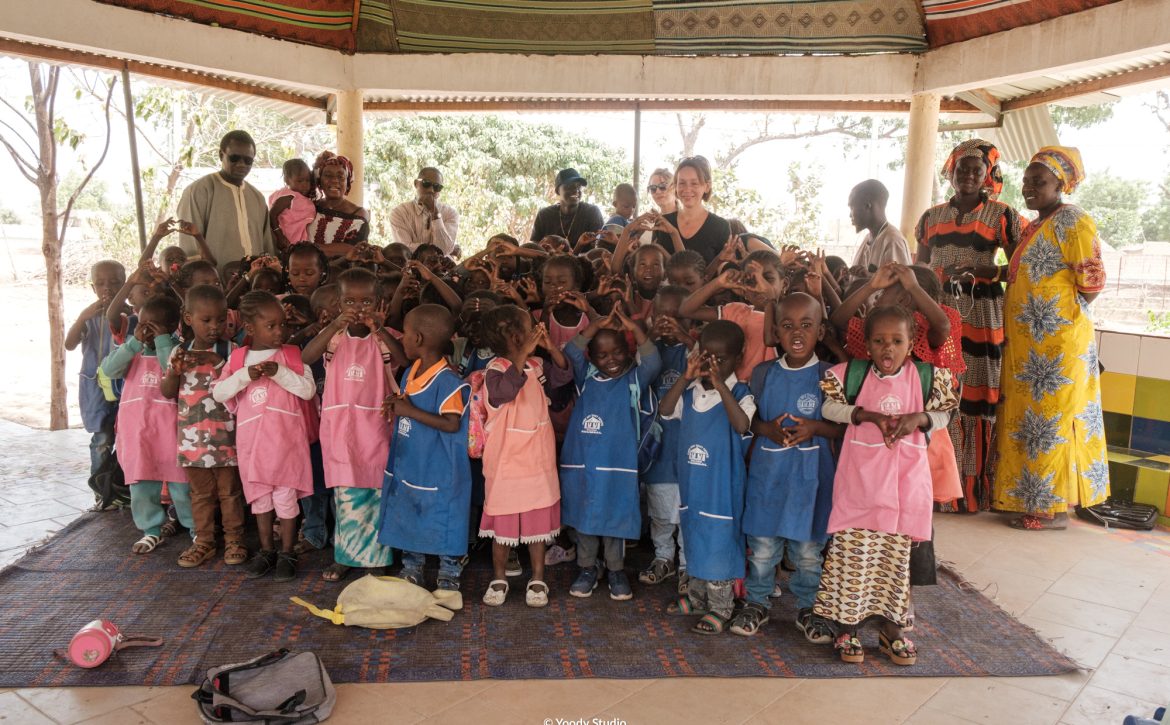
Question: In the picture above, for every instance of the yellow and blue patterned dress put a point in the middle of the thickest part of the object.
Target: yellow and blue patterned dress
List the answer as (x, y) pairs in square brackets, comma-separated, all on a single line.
[(1051, 438)]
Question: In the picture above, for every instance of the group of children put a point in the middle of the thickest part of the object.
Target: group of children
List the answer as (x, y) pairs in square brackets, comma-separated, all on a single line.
[(543, 395)]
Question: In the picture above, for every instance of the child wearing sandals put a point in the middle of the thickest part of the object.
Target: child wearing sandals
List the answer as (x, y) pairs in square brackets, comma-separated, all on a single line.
[(715, 412), (882, 492), (268, 387), (790, 482), (147, 423), (355, 438), (522, 493), (599, 461), (207, 430)]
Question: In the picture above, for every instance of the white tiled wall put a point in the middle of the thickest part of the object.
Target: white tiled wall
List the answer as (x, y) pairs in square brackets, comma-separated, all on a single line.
[(1154, 360), (1119, 352)]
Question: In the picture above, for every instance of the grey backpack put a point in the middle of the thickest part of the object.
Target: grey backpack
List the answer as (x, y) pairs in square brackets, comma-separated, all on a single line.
[(278, 688)]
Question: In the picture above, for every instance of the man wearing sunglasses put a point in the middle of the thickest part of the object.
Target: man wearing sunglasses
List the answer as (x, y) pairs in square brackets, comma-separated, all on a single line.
[(231, 213), (425, 219)]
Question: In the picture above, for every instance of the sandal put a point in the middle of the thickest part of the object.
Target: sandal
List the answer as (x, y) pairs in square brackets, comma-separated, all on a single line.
[(1028, 522), (234, 553), (684, 581), (816, 629), (170, 528), (711, 623), (495, 596), (681, 607), (146, 544), (749, 620), (196, 554), (659, 571), (336, 572), (536, 594), (901, 651), (849, 648)]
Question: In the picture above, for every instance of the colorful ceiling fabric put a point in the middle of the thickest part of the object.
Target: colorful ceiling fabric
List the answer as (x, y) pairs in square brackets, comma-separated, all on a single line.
[(949, 21), (712, 27), (329, 23)]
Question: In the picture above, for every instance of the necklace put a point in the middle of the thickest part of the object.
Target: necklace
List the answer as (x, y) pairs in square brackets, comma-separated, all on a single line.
[(561, 220)]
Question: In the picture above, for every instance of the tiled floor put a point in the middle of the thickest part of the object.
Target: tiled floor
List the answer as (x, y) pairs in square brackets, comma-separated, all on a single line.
[(1102, 596)]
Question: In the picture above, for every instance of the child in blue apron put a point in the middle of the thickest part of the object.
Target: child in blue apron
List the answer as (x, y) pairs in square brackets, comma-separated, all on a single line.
[(426, 494), (790, 484), (674, 344), (599, 460), (715, 413)]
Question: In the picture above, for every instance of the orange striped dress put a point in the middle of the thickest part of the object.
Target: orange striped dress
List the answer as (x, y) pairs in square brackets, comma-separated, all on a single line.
[(959, 240)]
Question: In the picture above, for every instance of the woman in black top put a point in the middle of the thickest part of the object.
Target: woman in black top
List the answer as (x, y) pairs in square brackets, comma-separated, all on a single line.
[(570, 217), (692, 226)]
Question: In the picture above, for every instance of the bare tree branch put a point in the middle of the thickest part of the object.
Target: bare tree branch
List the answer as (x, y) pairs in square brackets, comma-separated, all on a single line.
[(22, 115), (26, 169), (64, 217)]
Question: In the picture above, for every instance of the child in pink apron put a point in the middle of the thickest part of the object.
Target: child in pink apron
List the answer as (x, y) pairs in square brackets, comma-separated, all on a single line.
[(147, 424), (355, 437), (522, 492), (882, 493), (268, 388)]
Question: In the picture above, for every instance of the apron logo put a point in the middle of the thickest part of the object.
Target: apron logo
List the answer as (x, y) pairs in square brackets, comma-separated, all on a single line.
[(807, 404), (697, 455), (149, 378), (404, 426), (669, 378), (592, 424), (890, 405), (259, 396), (355, 373)]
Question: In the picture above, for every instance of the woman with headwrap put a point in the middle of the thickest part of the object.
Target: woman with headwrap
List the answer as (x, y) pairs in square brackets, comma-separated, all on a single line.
[(959, 240), (339, 223), (1051, 438)]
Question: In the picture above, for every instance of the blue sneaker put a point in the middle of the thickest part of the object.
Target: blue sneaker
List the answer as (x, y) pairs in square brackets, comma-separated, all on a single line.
[(619, 586), (413, 576), (586, 582)]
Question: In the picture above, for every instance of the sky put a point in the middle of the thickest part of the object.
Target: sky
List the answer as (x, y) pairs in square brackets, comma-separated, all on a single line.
[(1133, 144)]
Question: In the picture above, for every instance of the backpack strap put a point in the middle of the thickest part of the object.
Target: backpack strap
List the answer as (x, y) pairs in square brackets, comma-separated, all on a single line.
[(292, 358), (236, 359), (855, 372), (926, 377), (759, 374)]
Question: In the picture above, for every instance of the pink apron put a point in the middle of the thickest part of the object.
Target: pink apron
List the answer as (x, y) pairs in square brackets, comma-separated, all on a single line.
[(519, 454), (355, 438), (147, 426), (879, 488), (272, 429)]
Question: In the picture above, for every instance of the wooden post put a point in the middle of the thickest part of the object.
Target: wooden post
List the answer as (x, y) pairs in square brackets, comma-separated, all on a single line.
[(349, 140), (920, 146), (128, 96), (637, 146)]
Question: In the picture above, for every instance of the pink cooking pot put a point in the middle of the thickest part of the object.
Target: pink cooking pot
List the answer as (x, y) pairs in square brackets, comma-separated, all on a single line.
[(97, 641)]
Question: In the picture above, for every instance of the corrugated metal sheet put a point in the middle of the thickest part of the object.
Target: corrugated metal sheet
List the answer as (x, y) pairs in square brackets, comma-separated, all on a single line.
[(1023, 132)]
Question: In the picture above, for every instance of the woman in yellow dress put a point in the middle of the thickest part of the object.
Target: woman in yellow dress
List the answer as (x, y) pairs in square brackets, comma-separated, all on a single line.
[(1051, 439)]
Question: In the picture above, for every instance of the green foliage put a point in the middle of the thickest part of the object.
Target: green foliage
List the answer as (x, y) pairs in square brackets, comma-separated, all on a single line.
[(1156, 219), (94, 197), (1011, 195), (7, 216), (1115, 204), (497, 172), (803, 224), (1081, 117), (732, 200)]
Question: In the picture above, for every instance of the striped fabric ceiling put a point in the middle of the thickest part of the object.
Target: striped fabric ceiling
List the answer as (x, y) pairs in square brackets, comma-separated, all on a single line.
[(664, 27)]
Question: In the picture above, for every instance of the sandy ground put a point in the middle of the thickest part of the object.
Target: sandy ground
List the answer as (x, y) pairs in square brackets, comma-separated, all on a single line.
[(24, 337)]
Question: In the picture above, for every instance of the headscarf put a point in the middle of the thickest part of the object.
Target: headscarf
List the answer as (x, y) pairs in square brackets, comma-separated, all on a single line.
[(1065, 164), (986, 152), (328, 158)]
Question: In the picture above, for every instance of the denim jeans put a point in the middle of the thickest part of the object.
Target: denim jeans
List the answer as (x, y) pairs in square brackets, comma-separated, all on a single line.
[(100, 445), (450, 567), (662, 502), (317, 506), (767, 551)]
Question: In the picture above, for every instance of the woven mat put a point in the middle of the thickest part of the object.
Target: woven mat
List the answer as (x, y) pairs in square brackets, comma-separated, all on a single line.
[(213, 615)]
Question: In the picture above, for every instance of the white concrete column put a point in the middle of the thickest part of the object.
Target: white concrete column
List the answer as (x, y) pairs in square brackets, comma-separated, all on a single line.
[(920, 171), (349, 139)]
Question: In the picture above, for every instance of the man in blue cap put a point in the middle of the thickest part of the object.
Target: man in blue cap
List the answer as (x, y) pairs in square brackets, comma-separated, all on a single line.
[(569, 217)]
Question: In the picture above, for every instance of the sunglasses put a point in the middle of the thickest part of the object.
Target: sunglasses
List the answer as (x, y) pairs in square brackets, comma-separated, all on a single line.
[(430, 185), (237, 158), (653, 188)]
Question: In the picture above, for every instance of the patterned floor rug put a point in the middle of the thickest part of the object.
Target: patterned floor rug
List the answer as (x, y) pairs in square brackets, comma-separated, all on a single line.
[(213, 615)]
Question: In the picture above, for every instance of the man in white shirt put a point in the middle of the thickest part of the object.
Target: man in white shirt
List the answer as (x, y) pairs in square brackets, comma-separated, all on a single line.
[(883, 242), (425, 219)]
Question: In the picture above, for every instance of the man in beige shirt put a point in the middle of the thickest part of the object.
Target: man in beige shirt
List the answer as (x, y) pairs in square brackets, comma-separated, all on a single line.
[(230, 212), (883, 241)]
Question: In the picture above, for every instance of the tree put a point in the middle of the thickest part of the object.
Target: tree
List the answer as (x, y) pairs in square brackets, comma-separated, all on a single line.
[(497, 171), (33, 145), (1115, 204), (1156, 219)]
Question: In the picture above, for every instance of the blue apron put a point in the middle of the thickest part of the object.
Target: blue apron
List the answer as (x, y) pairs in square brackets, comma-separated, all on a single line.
[(97, 413), (712, 475), (599, 460), (789, 490), (674, 364), (426, 492)]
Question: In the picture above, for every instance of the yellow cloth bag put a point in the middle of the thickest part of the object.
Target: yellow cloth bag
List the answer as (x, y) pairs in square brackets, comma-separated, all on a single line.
[(386, 602)]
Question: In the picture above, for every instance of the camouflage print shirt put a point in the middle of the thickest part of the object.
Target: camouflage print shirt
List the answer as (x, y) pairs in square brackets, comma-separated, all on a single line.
[(207, 431)]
